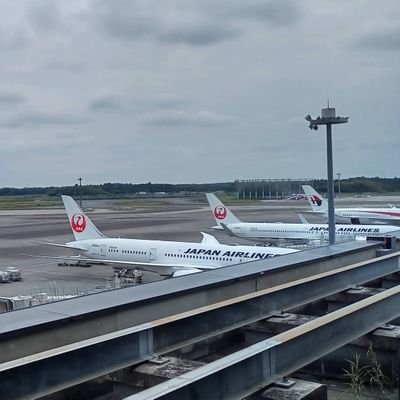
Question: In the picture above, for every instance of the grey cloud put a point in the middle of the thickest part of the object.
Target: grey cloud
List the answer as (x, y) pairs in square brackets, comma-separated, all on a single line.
[(66, 66), (37, 119), (166, 102), (13, 40), (388, 39), (133, 19), (276, 13), (156, 103), (55, 141), (186, 118), (11, 98), (124, 18), (105, 103), (198, 35), (197, 23), (44, 16)]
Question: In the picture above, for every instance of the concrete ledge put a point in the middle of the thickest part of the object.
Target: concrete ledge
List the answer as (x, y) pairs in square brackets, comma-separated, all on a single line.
[(302, 390)]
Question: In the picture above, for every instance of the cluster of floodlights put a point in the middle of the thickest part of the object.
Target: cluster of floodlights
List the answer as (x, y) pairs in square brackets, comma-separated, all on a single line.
[(311, 126), (325, 120)]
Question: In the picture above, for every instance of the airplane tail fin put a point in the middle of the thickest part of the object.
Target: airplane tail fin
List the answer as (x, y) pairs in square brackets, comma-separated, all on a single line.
[(82, 227), (317, 202), (220, 212)]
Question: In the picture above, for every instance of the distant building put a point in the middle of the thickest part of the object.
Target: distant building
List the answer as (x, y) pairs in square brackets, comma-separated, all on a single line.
[(270, 189)]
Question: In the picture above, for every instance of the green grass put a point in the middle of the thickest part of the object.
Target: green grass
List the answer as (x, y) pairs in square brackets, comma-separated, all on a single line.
[(27, 202)]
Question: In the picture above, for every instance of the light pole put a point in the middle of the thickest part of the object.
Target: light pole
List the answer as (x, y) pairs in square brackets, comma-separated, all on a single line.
[(328, 117), (80, 192), (338, 177)]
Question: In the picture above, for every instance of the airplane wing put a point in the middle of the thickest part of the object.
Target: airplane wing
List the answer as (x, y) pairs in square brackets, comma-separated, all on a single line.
[(126, 264), (209, 239), (64, 246)]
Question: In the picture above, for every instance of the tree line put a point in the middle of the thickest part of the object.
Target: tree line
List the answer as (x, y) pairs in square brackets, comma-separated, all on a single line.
[(120, 189), (361, 185), (349, 185)]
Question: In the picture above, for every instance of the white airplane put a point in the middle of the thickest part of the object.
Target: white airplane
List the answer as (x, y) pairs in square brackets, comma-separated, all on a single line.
[(163, 257), (270, 232), (320, 205)]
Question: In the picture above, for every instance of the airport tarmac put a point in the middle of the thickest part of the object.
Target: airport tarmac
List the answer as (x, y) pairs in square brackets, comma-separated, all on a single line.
[(167, 219)]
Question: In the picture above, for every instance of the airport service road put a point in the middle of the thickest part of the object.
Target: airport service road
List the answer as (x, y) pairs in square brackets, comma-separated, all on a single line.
[(39, 277), (173, 219)]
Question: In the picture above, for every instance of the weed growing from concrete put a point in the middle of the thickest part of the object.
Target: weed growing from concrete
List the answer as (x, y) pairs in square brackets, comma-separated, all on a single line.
[(361, 375), (357, 375), (377, 378)]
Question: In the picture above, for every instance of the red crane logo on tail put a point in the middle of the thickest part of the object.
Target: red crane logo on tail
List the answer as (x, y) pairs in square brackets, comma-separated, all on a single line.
[(315, 200), (78, 223), (220, 212)]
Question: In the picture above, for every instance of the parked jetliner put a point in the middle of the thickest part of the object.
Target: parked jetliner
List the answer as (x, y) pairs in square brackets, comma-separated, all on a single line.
[(263, 231), (320, 205), (164, 257)]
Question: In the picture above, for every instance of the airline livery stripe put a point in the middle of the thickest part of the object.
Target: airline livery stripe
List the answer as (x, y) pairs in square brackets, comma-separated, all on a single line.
[(390, 213)]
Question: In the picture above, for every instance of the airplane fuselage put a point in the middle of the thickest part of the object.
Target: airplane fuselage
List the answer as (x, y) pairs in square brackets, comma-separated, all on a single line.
[(170, 256), (261, 231), (380, 214)]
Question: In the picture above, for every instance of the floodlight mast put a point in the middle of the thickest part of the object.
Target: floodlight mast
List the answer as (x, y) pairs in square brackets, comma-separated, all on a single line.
[(339, 174), (328, 118), (80, 192)]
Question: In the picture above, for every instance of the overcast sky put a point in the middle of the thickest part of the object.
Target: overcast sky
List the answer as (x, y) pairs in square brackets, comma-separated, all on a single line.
[(195, 91)]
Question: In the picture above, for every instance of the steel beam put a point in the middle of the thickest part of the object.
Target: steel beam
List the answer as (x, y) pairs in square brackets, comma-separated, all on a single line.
[(65, 366), (244, 372), (41, 328)]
